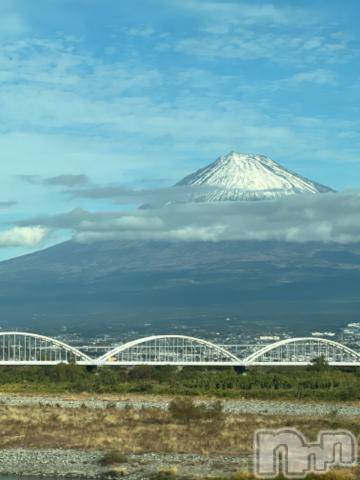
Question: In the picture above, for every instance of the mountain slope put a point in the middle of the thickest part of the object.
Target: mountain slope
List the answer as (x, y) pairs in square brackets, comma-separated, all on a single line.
[(240, 176), (114, 285), (117, 283)]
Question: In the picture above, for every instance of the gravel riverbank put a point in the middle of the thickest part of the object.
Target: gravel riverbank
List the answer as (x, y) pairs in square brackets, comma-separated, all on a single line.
[(83, 464), (52, 463), (232, 406)]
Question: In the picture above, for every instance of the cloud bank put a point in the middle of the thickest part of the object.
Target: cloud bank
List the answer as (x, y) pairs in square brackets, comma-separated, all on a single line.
[(303, 218)]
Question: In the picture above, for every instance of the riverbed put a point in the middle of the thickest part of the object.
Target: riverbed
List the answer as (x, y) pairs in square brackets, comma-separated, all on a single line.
[(84, 464), (262, 407)]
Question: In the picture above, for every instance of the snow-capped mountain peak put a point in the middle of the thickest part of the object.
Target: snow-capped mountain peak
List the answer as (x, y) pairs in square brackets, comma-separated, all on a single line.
[(242, 176)]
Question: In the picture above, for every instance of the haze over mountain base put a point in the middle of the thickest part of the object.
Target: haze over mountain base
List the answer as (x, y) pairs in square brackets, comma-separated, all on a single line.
[(112, 286)]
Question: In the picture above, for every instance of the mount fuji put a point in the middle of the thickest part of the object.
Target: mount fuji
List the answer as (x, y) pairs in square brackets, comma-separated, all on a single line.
[(116, 285), (241, 176)]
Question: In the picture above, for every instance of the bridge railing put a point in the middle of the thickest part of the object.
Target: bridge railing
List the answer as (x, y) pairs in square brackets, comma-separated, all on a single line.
[(23, 348)]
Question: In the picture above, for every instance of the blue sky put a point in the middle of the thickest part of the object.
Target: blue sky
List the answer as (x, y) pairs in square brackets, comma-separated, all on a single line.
[(140, 93)]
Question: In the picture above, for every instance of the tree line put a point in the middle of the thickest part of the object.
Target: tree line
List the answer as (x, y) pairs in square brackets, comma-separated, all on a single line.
[(317, 381)]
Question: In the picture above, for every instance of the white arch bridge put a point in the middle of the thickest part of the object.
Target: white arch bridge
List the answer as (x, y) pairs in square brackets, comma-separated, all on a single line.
[(22, 348)]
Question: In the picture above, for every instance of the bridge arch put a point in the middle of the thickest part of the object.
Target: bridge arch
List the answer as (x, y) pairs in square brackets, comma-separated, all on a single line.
[(169, 350), (23, 348), (301, 351)]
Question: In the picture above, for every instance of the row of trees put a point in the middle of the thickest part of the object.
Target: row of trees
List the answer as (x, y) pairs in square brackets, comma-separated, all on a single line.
[(317, 381)]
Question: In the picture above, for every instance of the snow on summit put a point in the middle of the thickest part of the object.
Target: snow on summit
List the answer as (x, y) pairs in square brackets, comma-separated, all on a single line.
[(242, 176)]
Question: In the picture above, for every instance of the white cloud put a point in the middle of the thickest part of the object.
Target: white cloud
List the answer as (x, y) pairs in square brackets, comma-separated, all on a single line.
[(236, 12), (245, 30), (319, 76), (30, 236), (64, 106), (301, 218), (299, 48), (143, 31)]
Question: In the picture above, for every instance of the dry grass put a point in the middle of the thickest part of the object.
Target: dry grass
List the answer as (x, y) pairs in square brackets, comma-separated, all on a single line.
[(148, 430), (337, 474)]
